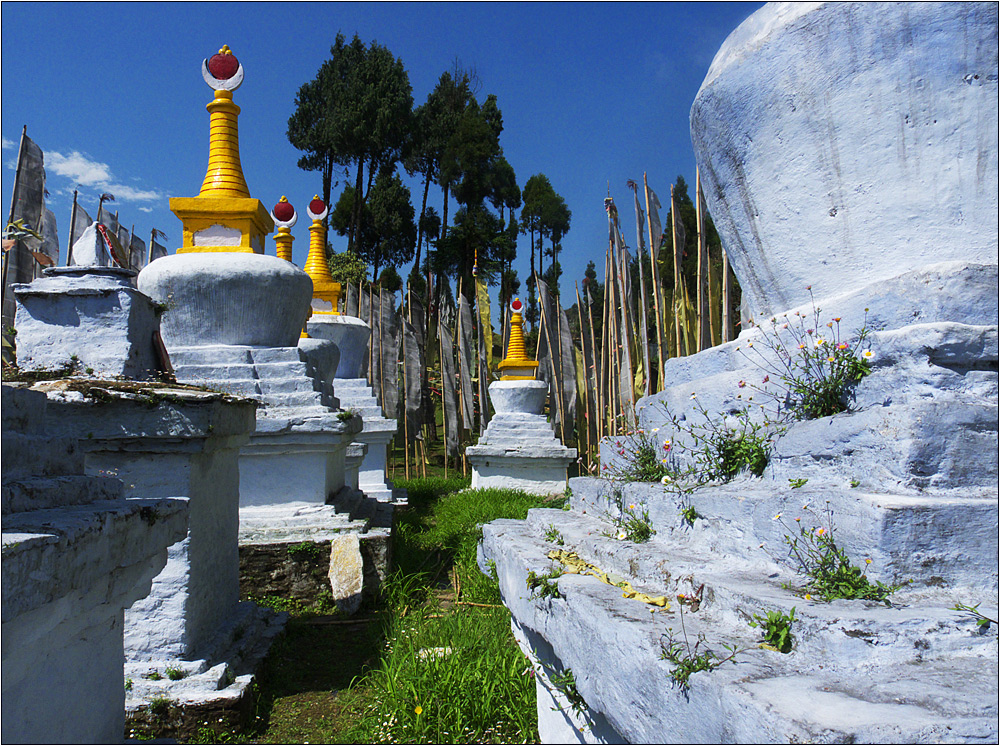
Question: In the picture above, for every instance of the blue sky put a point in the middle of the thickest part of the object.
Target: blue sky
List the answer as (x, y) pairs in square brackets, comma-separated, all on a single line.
[(592, 94)]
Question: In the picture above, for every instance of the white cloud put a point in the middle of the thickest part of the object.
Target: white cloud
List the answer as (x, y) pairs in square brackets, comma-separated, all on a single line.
[(7, 143), (82, 170), (145, 209)]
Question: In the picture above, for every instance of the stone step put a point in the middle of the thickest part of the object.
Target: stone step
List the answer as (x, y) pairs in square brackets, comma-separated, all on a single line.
[(939, 539), (891, 671), (26, 456), (261, 355), (282, 370), (38, 493), (245, 387), (22, 410), (297, 400), (211, 355), (270, 386), (209, 373)]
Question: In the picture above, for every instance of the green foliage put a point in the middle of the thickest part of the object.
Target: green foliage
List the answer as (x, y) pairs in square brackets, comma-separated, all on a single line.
[(384, 229), (776, 628), (154, 676), (688, 659), (128, 685), (796, 483), (462, 668), (159, 707), (640, 458), (829, 570), (390, 279), (175, 674), (632, 523), (565, 682), (552, 534), (347, 268), (689, 515), (982, 621), (356, 111), (308, 550), (542, 586), (815, 369)]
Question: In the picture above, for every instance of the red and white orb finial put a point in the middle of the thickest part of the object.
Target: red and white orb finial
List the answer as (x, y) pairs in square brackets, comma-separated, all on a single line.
[(317, 209), (222, 71), (516, 306), (283, 214)]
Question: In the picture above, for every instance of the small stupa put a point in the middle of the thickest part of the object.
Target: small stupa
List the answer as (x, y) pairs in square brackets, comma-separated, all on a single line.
[(519, 449)]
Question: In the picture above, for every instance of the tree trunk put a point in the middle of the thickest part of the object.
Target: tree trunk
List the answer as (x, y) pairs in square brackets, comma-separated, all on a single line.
[(420, 223), (352, 231)]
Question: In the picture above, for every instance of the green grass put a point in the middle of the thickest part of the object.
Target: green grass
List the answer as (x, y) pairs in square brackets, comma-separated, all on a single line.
[(343, 682), (471, 683)]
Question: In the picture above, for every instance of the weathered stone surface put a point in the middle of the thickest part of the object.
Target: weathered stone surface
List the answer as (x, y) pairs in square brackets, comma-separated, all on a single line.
[(349, 334), (69, 569), (844, 143), (346, 572), (266, 299), (86, 320)]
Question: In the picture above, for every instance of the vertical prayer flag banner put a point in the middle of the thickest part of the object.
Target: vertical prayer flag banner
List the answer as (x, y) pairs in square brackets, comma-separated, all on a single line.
[(566, 371), (138, 253), (48, 253), (449, 398), (464, 335), (156, 250), (387, 335), (412, 390), (655, 226), (80, 221), (485, 322), (27, 206)]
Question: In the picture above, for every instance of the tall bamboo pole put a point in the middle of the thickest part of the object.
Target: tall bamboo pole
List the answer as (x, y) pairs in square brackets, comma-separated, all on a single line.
[(704, 323), (657, 288), (406, 429), (678, 295), (586, 372), (444, 402), (72, 235), (727, 320), (552, 361)]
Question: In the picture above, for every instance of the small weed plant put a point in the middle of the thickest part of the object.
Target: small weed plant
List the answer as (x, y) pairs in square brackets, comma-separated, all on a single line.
[(632, 522), (543, 586), (776, 628), (154, 676), (689, 515), (175, 674), (814, 364), (830, 572), (982, 620), (565, 682), (640, 458), (688, 659), (796, 483), (552, 534)]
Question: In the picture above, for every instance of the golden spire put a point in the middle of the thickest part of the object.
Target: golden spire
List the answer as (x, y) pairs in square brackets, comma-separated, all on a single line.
[(325, 289), (223, 217), (519, 366), (284, 217)]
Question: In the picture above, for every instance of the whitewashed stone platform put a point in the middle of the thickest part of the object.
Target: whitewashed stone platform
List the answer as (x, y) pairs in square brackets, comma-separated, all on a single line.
[(86, 319), (859, 671), (519, 449), (165, 441), (350, 336), (76, 553)]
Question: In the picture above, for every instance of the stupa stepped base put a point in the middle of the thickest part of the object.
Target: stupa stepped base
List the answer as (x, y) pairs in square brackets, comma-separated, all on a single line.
[(519, 451), (215, 688), (278, 377), (357, 396), (859, 671)]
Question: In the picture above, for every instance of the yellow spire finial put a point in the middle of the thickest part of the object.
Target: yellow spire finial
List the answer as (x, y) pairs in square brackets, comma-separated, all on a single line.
[(517, 364), (225, 49), (325, 289)]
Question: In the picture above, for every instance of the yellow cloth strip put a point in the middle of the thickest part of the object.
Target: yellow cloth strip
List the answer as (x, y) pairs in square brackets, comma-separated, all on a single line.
[(576, 566)]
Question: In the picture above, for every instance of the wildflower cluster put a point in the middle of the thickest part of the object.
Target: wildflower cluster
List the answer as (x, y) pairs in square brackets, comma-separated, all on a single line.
[(815, 369), (640, 457), (829, 570), (632, 522)]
